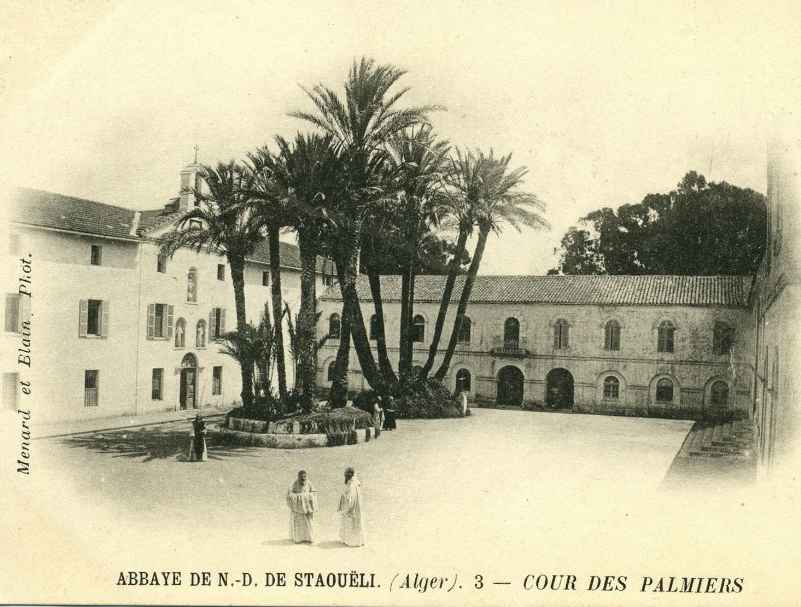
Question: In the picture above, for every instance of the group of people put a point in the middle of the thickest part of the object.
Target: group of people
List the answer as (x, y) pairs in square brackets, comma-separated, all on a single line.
[(302, 501)]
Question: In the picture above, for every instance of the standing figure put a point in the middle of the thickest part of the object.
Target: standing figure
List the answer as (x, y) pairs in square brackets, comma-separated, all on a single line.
[(197, 448), (378, 418), (302, 503), (464, 402), (351, 527)]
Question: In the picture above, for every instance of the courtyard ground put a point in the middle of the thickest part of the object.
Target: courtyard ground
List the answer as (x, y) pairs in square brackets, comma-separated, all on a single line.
[(498, 494)]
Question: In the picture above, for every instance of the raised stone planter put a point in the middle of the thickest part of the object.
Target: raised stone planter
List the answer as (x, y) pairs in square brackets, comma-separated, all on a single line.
[(286, 440), (281, 435)]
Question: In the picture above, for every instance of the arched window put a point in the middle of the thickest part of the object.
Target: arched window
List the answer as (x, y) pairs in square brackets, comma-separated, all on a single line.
[(511, 333), (191, 285), (374, 327), (418, 329), (723, 338), (664, 391), (561, 334), (464, 330), (611, 387), (462, 381), (200, 334), (333, 326), (180, 333), (612, 336), (719, 393), (330, 374), (664, 341)]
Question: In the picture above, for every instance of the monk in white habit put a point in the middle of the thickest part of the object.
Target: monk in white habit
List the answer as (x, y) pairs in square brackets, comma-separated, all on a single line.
[(351, 527), (302, 503)]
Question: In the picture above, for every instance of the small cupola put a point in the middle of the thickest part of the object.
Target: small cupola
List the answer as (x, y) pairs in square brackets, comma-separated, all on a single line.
[(190, 183)]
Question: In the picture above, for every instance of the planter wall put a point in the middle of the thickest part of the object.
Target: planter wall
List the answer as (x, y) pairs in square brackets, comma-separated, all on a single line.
[(291, 441)]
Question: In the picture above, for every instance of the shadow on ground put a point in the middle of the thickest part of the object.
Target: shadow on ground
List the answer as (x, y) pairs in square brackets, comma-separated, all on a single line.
[(155, 444)]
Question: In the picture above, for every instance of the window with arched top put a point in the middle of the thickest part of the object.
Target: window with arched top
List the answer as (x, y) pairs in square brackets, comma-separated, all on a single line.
[(611, 388), (664, 390), (723, 340), (465, 327), (561, 334), (418, 329), (374, 327), (191, 285), (665, 336), (511, 333), (719, 393), (333, 326), (462, 381), (180, 333), (200, 334), (612, 336), (331, 370)]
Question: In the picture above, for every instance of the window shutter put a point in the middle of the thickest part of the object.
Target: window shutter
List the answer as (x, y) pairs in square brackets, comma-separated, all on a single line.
[(83, 317), (169, 321), (151, 320), (222, 322), (212, 332), (556, 328), (104, 316)]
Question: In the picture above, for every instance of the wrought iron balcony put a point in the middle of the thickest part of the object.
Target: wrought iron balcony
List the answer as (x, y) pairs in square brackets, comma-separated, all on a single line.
[(509, 347)]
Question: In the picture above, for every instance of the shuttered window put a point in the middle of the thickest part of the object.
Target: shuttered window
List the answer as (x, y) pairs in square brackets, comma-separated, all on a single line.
[(159, 321), (91, 381), (216, 381), (93, 318), (216, 323)]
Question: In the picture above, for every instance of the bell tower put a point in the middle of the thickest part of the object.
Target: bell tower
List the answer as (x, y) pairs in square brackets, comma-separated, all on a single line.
[(190, 183)]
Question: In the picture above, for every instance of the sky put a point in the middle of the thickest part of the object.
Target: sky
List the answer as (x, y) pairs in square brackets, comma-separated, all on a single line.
[(603, 102)]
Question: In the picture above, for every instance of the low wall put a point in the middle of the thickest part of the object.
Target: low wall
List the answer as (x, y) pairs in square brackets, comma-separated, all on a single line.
[(283, 440)]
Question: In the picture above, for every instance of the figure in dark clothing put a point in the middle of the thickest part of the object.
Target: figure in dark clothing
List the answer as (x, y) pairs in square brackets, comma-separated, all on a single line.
[(197, 449)]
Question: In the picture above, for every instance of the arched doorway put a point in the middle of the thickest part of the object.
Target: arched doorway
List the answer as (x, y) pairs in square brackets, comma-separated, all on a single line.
[(462, 381), (188, 387), (559, 389), (510, 386)]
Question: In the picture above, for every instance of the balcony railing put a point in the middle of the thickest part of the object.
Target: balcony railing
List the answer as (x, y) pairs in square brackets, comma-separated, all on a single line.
[(509, 347)]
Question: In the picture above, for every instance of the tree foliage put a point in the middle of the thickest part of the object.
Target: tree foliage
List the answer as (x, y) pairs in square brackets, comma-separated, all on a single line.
[(700, 228)]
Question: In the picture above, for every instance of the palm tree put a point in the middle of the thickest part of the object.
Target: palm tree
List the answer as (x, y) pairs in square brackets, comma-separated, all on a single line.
[(495, 200), (360, 124), (266, 198), (222, 223), (417, 160), (307, 178)]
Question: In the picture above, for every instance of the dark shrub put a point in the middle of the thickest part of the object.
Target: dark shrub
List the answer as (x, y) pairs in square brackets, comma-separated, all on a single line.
[(427, 399)]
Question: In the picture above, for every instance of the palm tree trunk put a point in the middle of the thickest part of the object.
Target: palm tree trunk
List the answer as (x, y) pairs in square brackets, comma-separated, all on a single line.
[(381, 339), (405, 337), (462, 308), (338, 394), (350, 298), (277, 301), (246, 364), (307, 316), (444, 303)]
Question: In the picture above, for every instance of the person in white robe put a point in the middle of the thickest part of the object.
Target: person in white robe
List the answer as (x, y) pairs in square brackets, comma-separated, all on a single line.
[(302, 502), (351, 526)]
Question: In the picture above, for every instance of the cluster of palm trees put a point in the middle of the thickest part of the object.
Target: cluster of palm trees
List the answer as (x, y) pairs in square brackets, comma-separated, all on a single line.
[(370, 173)]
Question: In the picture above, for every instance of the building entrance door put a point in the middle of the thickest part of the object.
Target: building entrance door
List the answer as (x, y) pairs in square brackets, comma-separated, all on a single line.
[(559, 389), (510, 386), (188, 388)]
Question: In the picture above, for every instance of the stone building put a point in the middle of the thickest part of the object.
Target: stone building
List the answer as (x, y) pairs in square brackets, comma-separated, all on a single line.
[(595, 343), (117, 329)]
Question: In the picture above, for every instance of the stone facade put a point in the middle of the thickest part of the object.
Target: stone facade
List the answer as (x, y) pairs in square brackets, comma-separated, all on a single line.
[(637, 365), (136, 370)]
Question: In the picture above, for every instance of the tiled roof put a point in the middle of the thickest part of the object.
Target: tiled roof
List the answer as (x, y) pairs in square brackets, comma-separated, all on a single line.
[(49, 210), (577, 290)]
